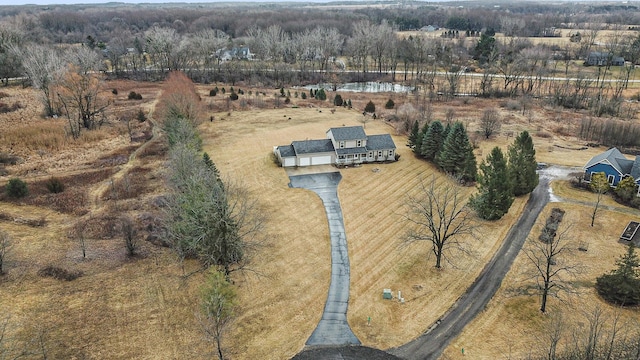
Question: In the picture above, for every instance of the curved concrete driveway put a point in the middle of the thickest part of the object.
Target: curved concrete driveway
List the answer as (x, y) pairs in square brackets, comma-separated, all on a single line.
[(333, 328), (432, 343)]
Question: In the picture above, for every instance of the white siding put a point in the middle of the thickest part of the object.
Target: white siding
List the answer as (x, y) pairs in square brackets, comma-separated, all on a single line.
[(289, 161), (305, 161), (321, 160)]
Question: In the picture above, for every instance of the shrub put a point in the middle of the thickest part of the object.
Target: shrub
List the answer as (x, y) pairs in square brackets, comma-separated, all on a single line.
[(303, 95), (5, 108), (240, 91), (114, 91), (17, 188), (134, 96), (287, 100), (59, 273), (337, 100), (370, 107), (233, 96), (213, 92), (389, 105), (141, 116), (223, 90), (321, 95), (54, 185)]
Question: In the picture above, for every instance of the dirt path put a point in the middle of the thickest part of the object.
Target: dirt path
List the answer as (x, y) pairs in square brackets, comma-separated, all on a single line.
[(432, 343), (96, 193)]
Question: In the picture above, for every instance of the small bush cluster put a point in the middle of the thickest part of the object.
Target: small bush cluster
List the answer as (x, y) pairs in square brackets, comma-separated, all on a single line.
[(551, 227), (213, 92), (389, 105), (17, 188), (54, 185), (59, 273), (134, 96), (5, 108), (233, 96), (141, 116)]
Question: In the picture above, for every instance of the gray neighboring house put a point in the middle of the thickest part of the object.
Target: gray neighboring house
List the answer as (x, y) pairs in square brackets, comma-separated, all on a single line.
[(343, 146), (596, 58)]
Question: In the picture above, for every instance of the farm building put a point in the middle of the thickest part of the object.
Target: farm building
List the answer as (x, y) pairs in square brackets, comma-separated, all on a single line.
[(614, 165), (343, 146)]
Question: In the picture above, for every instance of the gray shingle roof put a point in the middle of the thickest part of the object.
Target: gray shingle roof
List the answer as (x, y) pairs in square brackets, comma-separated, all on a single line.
[(359, 150), (615, 158), (348, 133), (380, 142), (286, 151), (635, 169), (312, 146)]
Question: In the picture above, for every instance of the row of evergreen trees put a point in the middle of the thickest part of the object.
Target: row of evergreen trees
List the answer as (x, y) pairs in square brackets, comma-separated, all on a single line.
[(501, 179), (446, 146)]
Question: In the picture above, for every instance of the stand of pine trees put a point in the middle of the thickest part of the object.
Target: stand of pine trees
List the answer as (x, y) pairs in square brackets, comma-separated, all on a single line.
[(501, 180), (447, 147)]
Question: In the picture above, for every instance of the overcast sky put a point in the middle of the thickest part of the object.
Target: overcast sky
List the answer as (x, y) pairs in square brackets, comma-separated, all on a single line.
[(58, 2)]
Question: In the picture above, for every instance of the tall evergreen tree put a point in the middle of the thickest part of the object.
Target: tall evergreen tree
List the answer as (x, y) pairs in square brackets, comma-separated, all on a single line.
[(622, 285), (457, 157), (432, 141), (522, 165), (447, 130), (413, 136), (495, 192)]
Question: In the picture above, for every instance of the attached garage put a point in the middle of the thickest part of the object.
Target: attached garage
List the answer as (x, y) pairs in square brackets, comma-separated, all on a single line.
[(290, 161), (321, 160), (305, 161)]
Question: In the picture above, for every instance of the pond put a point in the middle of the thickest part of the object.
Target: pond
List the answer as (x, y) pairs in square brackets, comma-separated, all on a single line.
[(369, 87)]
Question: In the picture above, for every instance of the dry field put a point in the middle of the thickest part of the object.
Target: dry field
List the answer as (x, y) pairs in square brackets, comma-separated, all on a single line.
[(144, 308)]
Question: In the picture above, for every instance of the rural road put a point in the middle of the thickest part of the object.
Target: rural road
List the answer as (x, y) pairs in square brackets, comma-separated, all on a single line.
[(333, 328), (432, 343)]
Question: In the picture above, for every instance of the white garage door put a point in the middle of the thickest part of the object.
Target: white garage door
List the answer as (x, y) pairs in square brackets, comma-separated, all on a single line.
[(321, 160), (304, 161), (290, 161)]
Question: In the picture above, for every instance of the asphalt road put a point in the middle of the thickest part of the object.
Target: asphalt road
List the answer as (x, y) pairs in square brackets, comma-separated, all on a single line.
[(432, 343), (333, 328)]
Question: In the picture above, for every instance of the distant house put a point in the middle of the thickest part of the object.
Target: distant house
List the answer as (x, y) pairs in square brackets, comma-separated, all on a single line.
[(596, 58), (430, 28), (343, 146), (614, 165), (237, 53)]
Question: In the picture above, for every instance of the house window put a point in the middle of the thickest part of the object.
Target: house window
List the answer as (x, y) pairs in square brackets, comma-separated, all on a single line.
[(611, 179), (370, 154), (359, 143), (390, 152), (340, 156), (356, 156), (379, 153), (341, 144)]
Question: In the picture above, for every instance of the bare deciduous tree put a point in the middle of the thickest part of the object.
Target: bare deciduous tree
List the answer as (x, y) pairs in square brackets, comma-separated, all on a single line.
[(440, 216), (5, 243), (600, 186), (44, 67), (82, 100), (217, 310), (548, 268), (490, 122), (130, 235)]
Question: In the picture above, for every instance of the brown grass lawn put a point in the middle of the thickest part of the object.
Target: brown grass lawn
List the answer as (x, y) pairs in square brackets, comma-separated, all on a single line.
[(122, 308), (512, 325)]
